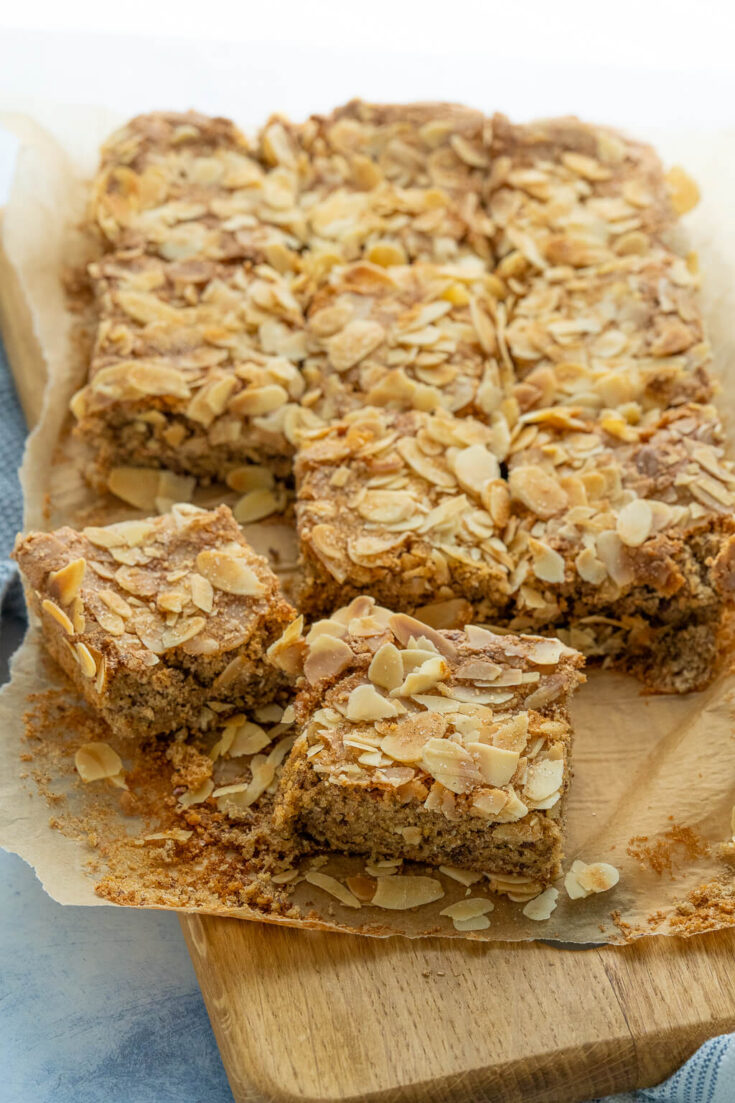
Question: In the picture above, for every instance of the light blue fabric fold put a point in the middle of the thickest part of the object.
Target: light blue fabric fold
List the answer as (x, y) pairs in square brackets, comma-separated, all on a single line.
[(709, 1077)]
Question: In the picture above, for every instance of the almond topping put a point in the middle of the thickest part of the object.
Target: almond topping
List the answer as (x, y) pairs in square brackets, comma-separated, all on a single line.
[(230, 574), (98, 761), (400, 892), (66, 582)]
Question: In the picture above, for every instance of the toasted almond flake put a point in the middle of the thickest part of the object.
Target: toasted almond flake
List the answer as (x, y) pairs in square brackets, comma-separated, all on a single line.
[(541, 907), (365, 703), (399, 892), (544, 778), (475, 467), (123, 534), (489, 803), (597, 877), (228, 573), (251, 477), (86, 660), (683, 190), (185, 629), (496, 765), (248, 738), (58, 615), (471, 908), (98, 761), (174, 834), (138, 486), (537, 490), (634, 523), (386, 668), (429, 674), (202, 592), (404, 627), (590, 568), (287, 652), (465, 877), (256, 505), (285, 877), (611, 551), (362, 887), (548, 565), (450, 764), (358, 338), (334, 887), (326, 657), (66, 582), (198, 795)]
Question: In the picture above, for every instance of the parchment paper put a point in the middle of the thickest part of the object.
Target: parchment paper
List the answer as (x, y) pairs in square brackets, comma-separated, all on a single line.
[(654, 782)]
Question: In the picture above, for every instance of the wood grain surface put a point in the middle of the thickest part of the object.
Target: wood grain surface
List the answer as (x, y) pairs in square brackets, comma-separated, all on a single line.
[(308, 1016), (301, 1015)]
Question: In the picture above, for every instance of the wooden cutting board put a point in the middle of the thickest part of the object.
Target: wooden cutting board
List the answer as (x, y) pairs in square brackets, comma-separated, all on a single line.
[(300, 1015)]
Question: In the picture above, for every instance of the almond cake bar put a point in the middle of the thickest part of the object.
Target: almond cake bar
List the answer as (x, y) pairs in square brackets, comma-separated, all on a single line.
[(194, 366), (450, 747), (160, 623)]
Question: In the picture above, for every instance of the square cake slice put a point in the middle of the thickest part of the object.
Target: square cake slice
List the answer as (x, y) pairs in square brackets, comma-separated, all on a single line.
[(624, 539), (160, 623), (416, 336), (408, 507), (195, 367), (444, 747)]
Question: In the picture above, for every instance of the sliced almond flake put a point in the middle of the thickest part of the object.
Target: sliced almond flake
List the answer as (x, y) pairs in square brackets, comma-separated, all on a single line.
[(496, 765), (365, 703), (429, 674), (326, 657), (635, 522), (99, 761), (285, 877), (474, 907), (334, 887), (86, 660), (597, 877), (383, 867), (228, 573), (544, 779), (175, 834), (386, 667), (248, 738), (474, 923), (198, 795), (138, 486), (128, 534), (541, 907), (202, 592), (400, 892), (263, 773), (66, 582), (58, 615), (464, 876), (404, 627), (450, 764)]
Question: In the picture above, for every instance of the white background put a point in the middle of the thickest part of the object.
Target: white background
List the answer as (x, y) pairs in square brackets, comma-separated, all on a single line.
[(619, 61)]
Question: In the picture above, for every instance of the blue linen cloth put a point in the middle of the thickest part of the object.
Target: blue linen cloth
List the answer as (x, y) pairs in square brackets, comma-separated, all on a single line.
[(84, 1023)]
